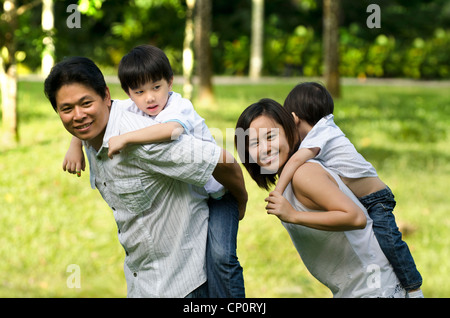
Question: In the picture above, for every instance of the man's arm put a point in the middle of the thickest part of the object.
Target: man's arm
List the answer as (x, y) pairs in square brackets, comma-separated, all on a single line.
[(229, 173)]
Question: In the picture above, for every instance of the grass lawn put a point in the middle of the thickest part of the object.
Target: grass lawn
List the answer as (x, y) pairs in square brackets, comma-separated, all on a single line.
[(50, 219)]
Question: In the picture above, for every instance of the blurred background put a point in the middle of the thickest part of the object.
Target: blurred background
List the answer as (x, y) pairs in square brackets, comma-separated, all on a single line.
[(386, 63)]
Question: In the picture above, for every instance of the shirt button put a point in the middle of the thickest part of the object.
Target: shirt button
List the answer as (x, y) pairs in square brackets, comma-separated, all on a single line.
[(134, 274), (104, 183)]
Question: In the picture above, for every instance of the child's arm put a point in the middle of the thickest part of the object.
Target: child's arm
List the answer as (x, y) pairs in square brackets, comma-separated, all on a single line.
[(313, 186), (152, 134), (74, 160), (300, 157)]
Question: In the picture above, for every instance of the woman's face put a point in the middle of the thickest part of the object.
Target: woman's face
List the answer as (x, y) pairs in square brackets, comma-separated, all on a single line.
[(268, 145)]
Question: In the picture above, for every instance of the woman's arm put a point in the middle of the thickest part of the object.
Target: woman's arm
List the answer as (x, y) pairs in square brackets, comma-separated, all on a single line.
[(317, 190)]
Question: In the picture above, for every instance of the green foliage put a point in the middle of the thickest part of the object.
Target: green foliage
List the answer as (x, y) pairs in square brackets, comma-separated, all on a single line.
[(413, 40), (51, 219)]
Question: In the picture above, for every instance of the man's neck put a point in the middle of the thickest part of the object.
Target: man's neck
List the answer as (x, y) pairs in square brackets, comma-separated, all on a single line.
[(97, 142)]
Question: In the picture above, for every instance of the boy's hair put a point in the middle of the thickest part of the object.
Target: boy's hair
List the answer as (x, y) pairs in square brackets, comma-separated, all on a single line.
[(72, 70), (310, 101), (143, 64), (272, 109)]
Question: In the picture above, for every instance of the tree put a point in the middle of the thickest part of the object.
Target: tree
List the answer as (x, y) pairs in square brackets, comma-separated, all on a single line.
[(331, 46), (188, 53), (8, 68), (256, 54), (8, 74), (203, 51), (48, 56)]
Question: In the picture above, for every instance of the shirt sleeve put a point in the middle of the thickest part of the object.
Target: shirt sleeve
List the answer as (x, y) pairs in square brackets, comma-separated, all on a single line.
[(180, 110), (186, 159), (322, 132)]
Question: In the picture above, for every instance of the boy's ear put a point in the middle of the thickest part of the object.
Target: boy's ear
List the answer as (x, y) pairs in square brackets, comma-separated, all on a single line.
[(296, 119), (170, 84)]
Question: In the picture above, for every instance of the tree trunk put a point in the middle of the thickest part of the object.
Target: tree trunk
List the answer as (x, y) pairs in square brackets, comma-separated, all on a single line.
[(203, 51), (8, 78), (47, 27), (256, 55), (188, 52), (331, 46)]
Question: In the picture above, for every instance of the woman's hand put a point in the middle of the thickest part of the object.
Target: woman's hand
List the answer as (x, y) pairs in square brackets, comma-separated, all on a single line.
[(279, 206)]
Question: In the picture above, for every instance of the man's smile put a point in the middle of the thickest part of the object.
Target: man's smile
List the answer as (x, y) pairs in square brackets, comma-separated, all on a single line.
[(82, 128)]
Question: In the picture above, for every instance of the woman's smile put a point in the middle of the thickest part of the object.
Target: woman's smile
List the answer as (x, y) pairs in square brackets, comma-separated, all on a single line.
[(268, 145)]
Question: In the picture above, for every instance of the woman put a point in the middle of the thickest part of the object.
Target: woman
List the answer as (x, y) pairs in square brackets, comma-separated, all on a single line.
[(328, 226)]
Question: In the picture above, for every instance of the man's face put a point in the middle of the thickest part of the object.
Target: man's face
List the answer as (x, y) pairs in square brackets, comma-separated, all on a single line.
[(83, 112)]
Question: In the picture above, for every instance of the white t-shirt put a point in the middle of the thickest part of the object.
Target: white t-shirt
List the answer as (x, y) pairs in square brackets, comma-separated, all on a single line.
[(337, 152), (350, 263)]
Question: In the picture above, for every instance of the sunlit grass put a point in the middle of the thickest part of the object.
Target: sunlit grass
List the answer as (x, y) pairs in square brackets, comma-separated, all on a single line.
[(50, 219)]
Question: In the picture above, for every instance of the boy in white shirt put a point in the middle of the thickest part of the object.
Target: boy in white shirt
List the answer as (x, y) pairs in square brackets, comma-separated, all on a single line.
[(312, 107), (146, 77)]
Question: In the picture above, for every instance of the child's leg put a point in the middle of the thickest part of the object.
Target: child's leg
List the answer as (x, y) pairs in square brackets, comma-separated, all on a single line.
[(380, 206), (225, 278)]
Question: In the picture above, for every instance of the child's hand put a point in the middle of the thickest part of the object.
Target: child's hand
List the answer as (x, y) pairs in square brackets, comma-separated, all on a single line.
[(116, 144), (279, 206), (74, 162)]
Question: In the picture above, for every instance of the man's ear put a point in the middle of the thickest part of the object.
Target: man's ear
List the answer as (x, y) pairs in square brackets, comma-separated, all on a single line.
[(296, 119), (108, 95)]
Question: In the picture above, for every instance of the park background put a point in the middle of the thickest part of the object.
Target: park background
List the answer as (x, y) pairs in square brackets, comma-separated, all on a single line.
[(391, 95)]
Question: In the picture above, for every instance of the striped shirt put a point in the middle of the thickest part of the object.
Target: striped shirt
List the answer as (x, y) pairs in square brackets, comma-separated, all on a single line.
[(159, 204), (337, 152)]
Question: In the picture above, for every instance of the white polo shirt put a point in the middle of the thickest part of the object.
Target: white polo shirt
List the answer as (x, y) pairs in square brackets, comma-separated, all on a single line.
[(181, 110), (157, 197)]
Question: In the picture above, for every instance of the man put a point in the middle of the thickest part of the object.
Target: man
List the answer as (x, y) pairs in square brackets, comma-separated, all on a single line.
[(155, 191)]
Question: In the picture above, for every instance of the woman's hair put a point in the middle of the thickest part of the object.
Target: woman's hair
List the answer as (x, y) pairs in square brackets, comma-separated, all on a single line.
[(80, 70), (310, 101), (272, 109), (143, 64)]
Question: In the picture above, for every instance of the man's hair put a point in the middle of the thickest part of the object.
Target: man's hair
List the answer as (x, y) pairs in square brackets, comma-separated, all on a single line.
[(272, 109), (80, 70), (310, 101), (143, 64)]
